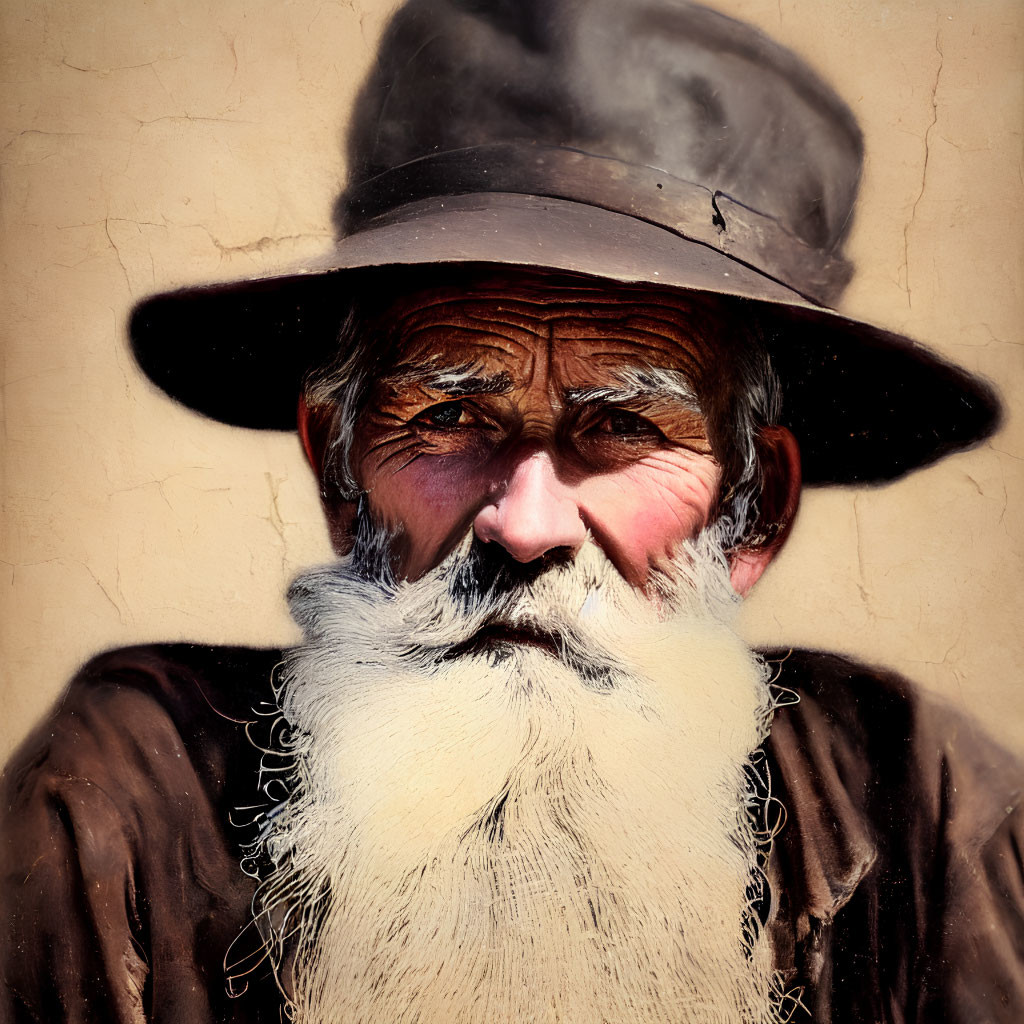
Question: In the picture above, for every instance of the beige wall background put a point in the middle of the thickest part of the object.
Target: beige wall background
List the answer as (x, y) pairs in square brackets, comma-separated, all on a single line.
[(146, 146)]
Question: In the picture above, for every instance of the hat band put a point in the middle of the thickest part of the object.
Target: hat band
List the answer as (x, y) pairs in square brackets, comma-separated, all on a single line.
[(690, 210)]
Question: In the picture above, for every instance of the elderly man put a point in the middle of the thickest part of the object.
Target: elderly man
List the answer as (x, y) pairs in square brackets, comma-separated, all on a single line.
[(559, 381)]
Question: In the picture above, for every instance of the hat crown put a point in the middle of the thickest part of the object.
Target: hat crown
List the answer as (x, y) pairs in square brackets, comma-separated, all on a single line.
[(650, 141), (647, 83)]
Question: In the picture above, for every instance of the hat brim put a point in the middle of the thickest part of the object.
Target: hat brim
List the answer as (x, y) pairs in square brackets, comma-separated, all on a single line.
[(866, 405)]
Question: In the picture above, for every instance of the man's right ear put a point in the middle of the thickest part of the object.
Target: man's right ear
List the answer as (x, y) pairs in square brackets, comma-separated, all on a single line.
[(315, 428)]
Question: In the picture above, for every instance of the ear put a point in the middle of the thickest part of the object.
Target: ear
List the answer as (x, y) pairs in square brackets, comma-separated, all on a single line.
[(315, 434), (779, 455), (315, 429)]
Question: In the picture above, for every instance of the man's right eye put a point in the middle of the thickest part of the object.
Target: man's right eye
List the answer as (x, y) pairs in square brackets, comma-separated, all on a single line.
[(446, 415)]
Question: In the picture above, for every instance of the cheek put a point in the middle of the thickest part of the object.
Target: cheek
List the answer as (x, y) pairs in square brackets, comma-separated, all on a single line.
[(432, 499), (642, 513)]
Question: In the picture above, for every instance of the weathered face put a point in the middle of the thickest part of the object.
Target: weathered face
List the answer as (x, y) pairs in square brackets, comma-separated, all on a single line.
[(533, 414)]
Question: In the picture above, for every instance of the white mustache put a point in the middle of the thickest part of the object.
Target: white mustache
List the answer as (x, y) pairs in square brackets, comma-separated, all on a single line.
[(479, 603), (464, 609)]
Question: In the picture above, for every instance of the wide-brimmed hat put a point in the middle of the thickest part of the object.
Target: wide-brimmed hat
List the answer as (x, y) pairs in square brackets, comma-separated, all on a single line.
[(650, 141)]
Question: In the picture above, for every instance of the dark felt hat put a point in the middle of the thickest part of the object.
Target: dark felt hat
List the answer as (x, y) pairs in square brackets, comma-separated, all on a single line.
[(652, 141)]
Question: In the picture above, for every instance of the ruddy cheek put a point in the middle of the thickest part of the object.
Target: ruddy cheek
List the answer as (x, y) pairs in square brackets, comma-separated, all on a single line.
[(643, 513)]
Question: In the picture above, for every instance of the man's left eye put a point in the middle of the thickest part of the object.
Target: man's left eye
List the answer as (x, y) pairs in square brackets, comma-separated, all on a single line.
[(623, 423), (448, 414)]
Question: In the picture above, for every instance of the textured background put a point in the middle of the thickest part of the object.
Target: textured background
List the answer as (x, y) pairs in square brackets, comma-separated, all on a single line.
[(149, 146)]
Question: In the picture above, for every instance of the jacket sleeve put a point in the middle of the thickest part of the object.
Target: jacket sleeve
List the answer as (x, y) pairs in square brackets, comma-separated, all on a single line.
[(120, 888)]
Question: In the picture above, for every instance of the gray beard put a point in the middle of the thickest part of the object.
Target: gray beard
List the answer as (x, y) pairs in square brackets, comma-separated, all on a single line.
[(518, 832)]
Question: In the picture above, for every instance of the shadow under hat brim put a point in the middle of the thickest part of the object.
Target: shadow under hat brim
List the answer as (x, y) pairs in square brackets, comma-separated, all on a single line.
[(866, 405)]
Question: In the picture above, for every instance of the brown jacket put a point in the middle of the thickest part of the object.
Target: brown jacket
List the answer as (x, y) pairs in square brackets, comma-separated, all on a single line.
[(896, 880)]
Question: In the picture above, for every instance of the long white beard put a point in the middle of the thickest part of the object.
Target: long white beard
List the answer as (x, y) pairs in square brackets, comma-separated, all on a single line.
[(505, 835)]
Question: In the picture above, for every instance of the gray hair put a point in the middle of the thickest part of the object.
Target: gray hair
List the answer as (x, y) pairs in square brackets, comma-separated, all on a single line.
[(739, 397)]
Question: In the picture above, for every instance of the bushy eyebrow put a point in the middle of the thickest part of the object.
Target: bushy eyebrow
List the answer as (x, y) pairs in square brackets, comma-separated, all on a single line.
[(652, 383), (454, 381)]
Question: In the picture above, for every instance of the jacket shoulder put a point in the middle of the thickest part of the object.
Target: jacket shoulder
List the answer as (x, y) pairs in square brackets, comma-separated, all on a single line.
[(878, 727), (138, 703)]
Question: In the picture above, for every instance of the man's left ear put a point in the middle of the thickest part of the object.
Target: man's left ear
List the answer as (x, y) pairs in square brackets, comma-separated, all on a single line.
[(779, 456)]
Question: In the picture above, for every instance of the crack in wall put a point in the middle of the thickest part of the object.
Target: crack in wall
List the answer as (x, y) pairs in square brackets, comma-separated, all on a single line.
[(261, 244), (865, 593), (924, 173), (275, 518), (117, 253)]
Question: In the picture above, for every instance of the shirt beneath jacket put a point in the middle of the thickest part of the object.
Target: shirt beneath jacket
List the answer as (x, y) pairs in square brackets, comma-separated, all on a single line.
[(896, 881)]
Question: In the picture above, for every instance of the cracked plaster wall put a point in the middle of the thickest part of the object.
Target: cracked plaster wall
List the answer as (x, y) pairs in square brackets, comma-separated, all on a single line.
[(145, 147)]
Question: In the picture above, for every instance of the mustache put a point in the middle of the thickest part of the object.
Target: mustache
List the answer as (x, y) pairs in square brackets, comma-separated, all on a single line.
[(503, 605), (481, 570), (479, 601)]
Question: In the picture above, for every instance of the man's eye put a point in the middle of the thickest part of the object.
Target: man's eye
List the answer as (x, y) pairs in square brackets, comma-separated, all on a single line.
[(623, 423), (449, 414)]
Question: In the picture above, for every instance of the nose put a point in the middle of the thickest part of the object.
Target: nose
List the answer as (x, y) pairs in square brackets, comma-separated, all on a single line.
[(534, 514)]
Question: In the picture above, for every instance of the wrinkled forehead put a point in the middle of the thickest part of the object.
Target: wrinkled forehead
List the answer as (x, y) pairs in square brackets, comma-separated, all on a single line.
[(507, 316)]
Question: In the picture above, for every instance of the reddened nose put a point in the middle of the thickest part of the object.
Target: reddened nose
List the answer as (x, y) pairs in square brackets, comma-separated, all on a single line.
[(534, 513)]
